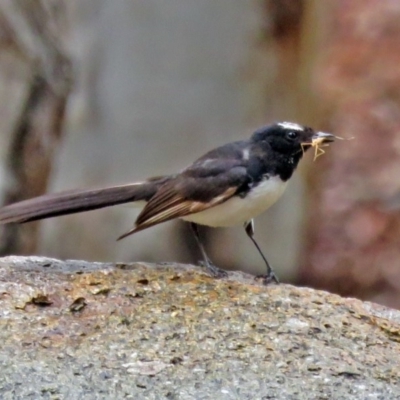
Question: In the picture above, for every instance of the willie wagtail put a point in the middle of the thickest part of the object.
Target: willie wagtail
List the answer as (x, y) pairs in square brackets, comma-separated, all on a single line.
[(227, 186)]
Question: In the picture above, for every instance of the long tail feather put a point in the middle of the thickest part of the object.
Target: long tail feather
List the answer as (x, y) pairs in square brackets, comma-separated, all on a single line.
[(52, 205)]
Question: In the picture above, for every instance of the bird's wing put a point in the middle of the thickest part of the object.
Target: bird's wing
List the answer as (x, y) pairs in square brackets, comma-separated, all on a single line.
[(199, 187)]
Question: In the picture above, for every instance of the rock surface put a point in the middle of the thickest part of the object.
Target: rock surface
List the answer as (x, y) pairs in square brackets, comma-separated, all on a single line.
[(79, 330)]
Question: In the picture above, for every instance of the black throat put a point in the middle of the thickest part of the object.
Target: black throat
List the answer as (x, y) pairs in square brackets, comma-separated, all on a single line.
[(263, 163)]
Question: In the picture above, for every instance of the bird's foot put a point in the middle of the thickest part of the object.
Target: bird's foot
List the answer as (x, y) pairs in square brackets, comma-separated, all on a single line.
[(268, 278), (213, 270)]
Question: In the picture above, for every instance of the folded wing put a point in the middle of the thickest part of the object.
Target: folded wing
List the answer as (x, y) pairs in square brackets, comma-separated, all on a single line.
[(199, 187)]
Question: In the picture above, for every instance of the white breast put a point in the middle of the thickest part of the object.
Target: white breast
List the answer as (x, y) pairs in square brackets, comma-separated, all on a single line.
[(237, 210)]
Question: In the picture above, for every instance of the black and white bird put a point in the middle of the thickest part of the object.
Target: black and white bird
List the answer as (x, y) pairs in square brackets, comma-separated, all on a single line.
[(227, 186)]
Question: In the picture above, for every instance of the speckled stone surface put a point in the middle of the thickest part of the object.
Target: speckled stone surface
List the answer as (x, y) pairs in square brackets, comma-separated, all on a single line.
[(79, 330)]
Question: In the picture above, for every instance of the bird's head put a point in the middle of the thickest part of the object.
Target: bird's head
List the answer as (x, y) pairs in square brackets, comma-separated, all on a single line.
[(290, 139)]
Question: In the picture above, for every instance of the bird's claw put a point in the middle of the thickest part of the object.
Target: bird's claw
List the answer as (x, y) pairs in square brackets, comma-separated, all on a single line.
[(214, 271), (268, 278)]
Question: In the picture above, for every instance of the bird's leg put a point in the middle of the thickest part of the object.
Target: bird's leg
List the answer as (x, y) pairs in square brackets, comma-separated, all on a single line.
[(270, 275), (215, 271)]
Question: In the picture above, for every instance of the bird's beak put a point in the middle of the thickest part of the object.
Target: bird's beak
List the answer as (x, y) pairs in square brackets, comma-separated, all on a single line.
[(320, 138)]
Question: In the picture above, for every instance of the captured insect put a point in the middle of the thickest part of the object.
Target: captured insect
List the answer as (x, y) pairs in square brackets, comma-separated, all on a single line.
[(318, 143)]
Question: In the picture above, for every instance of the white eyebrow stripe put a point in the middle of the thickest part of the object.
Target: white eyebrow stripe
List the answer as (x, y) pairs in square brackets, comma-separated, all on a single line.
[(291, 125)]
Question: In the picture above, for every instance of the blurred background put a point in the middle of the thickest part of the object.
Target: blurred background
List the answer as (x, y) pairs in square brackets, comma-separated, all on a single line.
[(96, 93)]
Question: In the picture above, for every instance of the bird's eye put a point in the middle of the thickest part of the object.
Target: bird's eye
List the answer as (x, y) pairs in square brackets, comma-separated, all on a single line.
[(291, 135)]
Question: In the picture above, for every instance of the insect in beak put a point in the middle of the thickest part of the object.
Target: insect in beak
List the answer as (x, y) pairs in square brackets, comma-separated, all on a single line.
[(320, 139)]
